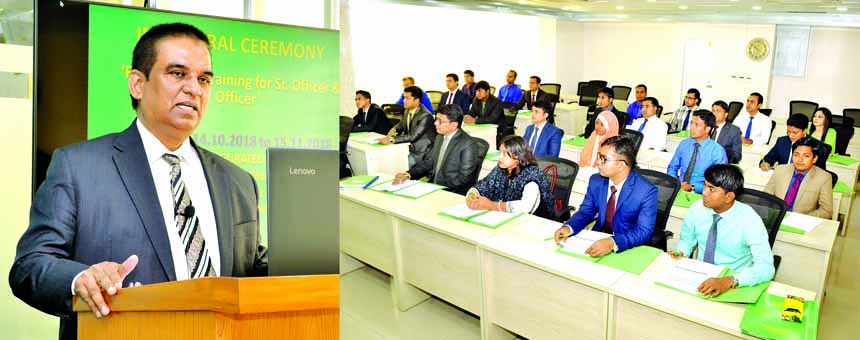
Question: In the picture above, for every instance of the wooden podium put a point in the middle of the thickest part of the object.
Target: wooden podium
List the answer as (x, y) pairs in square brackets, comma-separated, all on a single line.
[(287, 307)]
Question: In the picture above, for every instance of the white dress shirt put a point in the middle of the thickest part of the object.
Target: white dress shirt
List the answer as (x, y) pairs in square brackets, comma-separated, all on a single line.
[(760, 131), (654, 133)]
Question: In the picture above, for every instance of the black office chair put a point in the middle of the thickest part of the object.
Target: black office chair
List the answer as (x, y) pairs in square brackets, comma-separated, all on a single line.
[(807, 108), (772, 127), (844, 132), (667, 189), (599, 83), (579, 86), (823, 155), (766, 112), (435, 98), (621, 92), (553, 89), (511, 120), (659, 110), (588, 95), (834, 178), (483, 147), (854, 114), (560, 174), (394, 112), (345, 128), (635, 136), (734, 109), (624, 119), (493, 90), (771, 209)]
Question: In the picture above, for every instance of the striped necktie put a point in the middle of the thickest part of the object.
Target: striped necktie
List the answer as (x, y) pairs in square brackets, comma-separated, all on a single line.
[(188, 225)]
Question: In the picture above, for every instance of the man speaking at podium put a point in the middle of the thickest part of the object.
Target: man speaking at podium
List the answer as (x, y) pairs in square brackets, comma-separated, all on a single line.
[(145, 205)]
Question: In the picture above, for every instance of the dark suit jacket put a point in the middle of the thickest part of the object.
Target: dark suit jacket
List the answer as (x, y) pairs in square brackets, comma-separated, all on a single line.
[(420, 134), (635, 210), (730, 139), (98, 203), (376, 121), (590, 127), (549, 141), (492, 113), (460, 99), (526, 100), (781, 151), (460, 163)]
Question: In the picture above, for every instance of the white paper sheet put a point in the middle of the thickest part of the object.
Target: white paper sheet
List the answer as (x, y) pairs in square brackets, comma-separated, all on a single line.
[(492, 218), (418, 189), (687, 275), (801, 221), (390, 186), (369, 139), (461, 211), (577, 244)]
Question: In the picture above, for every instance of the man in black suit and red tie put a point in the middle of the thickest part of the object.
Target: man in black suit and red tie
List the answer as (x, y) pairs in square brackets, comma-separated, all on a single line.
[(454, 95), (534, 94)]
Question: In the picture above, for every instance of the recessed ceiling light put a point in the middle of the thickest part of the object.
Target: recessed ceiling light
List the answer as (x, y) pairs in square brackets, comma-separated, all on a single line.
[(619, 7), (756, 8), (652, 0), (683, 7), (841, 8)]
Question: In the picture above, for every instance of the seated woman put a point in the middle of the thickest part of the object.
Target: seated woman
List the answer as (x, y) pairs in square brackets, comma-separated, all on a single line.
[(821, 130), (516, 185), (605, 126)]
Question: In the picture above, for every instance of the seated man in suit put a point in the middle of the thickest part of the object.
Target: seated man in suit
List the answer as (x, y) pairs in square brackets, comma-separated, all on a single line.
[(416, 127), (652, 128), (781, 152), (109, 212), (635, 108), (543, 138), (510, 93), (683, 115), (624, 203), (454, 95), (454, 161), (425, 99), (486, 109), (533, 95), (728, 135), (604, 103), (697, 153), (369, 118), (756, 126), (805, 187), (727, 232)]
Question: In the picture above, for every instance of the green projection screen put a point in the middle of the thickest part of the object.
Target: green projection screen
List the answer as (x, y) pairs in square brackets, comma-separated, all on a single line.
[(274, 85)]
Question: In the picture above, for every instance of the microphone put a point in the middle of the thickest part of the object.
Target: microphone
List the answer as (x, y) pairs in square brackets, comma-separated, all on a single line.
[(188, 212)]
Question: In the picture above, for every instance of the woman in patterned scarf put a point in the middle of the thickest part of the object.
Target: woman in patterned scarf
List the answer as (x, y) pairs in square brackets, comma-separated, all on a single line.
[(516, 185)]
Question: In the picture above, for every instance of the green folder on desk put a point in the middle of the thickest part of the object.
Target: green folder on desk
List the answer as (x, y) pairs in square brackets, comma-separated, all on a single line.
[(477, 125), (841, 187), (762, 319), (578, 141), (524, 113), (682, 134), (633, 260), (492, 156), (749, 294), (842, 160), (477, 218), (686, 199)]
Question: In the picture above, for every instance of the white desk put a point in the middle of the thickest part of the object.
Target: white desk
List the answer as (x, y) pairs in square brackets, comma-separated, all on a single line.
[(375, 159), (486, 132)]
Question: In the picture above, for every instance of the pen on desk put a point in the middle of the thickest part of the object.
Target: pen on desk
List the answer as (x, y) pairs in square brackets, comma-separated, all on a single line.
[(553, 237)]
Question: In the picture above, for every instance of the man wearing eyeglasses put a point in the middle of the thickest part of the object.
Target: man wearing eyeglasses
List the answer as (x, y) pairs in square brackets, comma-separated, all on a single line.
[(624, 203)]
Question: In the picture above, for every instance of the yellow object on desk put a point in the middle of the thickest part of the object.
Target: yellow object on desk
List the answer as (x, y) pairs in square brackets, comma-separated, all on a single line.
[(792, 308)]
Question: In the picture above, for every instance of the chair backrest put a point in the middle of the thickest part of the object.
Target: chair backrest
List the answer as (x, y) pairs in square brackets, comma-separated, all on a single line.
[(623, 120), (435, 97), (493, 90), (802, 106), (393, 109), (734, 109), (560, 174), (842, 121), (511, 117), (659, 110), (823, 154), (635, 136), (599, 83), (766, 112), (770, 208), (844, 133), (588, 95), (667, 189), (579, 86), (483, 147), (834, 178), (345, 128), (772, 127), (621, 92), (854, 114), (553, 89)]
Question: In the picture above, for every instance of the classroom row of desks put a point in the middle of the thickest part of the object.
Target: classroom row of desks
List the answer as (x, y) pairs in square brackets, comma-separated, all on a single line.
[(513, 278)]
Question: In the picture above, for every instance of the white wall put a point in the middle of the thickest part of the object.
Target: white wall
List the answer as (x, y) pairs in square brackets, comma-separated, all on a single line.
[(390, 41), (832, 72), (653, 54)]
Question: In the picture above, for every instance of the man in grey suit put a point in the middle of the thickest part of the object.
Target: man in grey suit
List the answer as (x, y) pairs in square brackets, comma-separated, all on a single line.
[(416, 127), (143, 206), (726, 134), (455, 161)]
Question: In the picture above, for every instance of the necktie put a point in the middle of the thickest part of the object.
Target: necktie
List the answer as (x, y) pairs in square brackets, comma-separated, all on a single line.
[(689, 172), (716, 134), (642, 127), (534, 96), (441, 157), (196, 252), (791, 195), (450, 97), (610, 212), (533, 142), (687, 119), (749, 128), (409, 121), (711, 245)]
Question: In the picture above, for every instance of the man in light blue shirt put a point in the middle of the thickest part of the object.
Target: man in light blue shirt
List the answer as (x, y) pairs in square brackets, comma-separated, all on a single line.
[(635, 108), (425, 99), (697, 153), (727, 232), (511, 92)]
